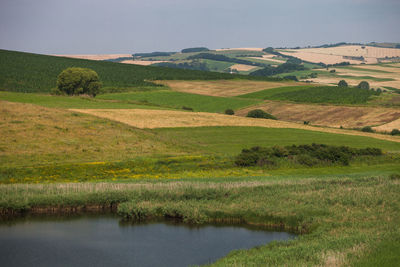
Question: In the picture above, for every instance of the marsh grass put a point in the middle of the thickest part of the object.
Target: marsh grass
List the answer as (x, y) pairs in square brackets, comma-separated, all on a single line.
[(342, 220)]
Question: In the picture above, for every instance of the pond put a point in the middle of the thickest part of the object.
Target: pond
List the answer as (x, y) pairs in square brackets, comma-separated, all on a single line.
[(107, 241)]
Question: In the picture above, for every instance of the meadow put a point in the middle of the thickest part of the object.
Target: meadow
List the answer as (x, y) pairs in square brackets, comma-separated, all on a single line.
[(57, 160), (178, 100)]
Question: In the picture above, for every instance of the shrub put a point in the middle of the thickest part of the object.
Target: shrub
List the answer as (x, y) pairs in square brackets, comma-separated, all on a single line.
[(308, 155), (332, 71), (394, 176), (306, 122), (229, 112), (342, 83), (78, 81), (56, 91), (291, 77), (363, 85), (187, 108), (395, 132), (258, 113), (367, 129)]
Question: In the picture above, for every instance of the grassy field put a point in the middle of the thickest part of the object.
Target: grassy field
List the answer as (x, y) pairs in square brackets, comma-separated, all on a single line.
[(316, 94), (178, 100)]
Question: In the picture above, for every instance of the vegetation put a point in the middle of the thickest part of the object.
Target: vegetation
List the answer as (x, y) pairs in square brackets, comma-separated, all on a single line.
[(367, 129), (194, 49), (258, 113), (363, 85), (153, 54), (283, 68), (229, 111), (308, 155), (225, 59), (342, 83), (25, 72), (395, 132), (78, 81), (173, 99)]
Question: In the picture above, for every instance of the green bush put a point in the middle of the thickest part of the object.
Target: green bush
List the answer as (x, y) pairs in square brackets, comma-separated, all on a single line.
[(78, 81), (395, 132), (367, 129), (308, 155), (363, 85), (342, 83), (229, 112), (258, 113)]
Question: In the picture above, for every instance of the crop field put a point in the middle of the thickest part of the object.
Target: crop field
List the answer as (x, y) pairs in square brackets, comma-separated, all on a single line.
[(329, 115), (181, 100), (225, 87), (333, 55), (96, 57)]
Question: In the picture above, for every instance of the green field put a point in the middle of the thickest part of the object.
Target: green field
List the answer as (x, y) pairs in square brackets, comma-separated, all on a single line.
[(315, 94), (178, 100)]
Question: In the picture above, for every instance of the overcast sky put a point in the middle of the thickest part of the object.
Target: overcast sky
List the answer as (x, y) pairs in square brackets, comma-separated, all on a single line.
[(128, 26)]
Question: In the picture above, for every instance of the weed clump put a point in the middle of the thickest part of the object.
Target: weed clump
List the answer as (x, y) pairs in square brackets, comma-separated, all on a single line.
[(229, 112), (308, 155), (395, 132), (367, 129)]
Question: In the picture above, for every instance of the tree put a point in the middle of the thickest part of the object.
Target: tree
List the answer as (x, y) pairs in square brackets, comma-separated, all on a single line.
[(342, 83), (258, 113), (363, 85), (78, 81), (229, 112)]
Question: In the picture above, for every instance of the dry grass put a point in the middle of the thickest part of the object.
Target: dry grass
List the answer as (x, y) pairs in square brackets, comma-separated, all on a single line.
[(242, 67), (224, 87), (35, 134), (328, 115), (166, 119), (243, 48), (334, 55), (388, 127), (96, 57)]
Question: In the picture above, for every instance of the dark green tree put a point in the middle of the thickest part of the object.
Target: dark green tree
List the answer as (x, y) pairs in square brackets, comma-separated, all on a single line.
[(79, 81), (342, 83), (363, 85)]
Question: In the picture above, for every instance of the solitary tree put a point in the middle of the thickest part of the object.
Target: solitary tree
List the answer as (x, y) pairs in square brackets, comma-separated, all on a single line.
[(342, 83), (78, 81), (363, 85)]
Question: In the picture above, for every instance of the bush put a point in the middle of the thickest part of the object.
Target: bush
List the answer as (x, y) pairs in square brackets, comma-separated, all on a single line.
[(332, 71), (342, 83), (78, 81), (367, 129), (363, 85), (308, 155), (258, 113), (229, 112), (395, 132), (291, 77), (187, 108), (56, 91)]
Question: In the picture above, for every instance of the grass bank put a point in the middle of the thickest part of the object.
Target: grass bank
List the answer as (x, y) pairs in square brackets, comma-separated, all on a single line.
[(344, 220)]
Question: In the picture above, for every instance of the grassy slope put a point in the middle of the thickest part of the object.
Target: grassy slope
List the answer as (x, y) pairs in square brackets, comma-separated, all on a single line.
[(25, 72), (179, 99)]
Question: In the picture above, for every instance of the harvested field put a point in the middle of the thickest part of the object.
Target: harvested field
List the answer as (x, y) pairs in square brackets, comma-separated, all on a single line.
[(328, 115), (242, 67), (142, 62), (269, 58), (224, 87), (338, 54), (168, 119), (388, 127), (97, 57)]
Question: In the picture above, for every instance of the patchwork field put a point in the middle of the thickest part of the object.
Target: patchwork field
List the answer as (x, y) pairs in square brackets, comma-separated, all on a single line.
[(328, 115), (348, 53), (167, 118), (225, 87)]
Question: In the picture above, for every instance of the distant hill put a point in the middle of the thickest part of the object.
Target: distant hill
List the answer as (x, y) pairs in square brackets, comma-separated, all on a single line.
[(26, 72)]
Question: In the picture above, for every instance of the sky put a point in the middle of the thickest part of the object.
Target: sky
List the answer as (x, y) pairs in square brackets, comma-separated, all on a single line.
[(132, 26)]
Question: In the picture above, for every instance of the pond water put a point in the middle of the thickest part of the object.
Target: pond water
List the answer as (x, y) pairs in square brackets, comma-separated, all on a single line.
[(106, 241)]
